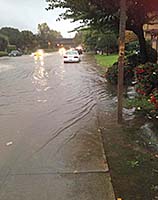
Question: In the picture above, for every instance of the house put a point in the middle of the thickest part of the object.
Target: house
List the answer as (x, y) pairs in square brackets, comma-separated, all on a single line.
[(66, 42), (151, 32)]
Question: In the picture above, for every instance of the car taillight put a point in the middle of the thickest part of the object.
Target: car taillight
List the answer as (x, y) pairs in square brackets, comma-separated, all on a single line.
[(75, 56), (65, 56)]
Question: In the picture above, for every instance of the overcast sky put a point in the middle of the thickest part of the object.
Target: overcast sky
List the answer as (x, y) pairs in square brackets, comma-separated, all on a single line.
[(27, 14)]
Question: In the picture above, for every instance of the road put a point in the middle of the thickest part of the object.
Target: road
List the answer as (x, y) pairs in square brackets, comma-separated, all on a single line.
[(50, 144)]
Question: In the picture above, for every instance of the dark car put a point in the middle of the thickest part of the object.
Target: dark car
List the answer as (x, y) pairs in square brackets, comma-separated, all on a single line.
[(80, 51), (15, 53)]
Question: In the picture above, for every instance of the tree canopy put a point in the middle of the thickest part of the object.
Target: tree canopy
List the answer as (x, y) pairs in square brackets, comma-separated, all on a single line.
[(104, 14), (103, 11), (13, 35), (12, 38)]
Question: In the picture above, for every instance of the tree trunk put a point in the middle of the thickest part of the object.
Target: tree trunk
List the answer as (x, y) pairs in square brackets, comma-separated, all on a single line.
[(143, 51), (107, 52)]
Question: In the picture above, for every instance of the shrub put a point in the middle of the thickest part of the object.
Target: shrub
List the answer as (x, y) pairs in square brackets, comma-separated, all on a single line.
[(3, 53), (154, 101), (142, 104), (147, 85), (147, 78), (112, 74), (154, 98), (152, 54), (132, 46), (49, 50), (133, 59)]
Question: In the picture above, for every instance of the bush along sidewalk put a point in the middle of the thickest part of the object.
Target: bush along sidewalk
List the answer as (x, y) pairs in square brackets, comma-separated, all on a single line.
[(147, 85), (145, 77), (131, 62), (112, 74)]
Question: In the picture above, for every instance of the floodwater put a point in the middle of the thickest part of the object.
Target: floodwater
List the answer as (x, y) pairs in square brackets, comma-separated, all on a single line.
[(49, 116)]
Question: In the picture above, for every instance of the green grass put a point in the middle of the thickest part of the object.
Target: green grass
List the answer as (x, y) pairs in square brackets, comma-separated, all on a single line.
[(106, 61)]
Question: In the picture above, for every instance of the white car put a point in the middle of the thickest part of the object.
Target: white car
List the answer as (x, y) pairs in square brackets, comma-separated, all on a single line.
[(71, 56)]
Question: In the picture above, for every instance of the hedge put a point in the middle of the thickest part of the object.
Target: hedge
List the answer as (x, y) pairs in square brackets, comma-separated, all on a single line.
[(3, 53)]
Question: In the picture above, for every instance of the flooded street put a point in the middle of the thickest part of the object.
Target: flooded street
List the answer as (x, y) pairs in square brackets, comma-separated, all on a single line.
[(49, 117)]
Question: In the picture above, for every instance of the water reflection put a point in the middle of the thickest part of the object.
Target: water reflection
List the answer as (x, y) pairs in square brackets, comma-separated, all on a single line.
[(40, 74), (62, 51), (62, 71), (5, 67)]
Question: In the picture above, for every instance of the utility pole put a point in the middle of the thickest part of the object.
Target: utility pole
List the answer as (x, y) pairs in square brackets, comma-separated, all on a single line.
[(122, 29)]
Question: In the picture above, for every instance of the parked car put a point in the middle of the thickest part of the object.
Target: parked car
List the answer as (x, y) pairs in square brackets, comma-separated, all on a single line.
[(79, 49), (15, 53), (71, 56)]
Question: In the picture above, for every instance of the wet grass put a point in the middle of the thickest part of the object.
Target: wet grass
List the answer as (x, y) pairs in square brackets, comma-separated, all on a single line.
[(142, 103), (106, 61), (134, 169)]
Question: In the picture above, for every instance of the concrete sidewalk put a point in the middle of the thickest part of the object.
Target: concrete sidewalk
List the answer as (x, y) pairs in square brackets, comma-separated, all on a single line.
[(77, 171)]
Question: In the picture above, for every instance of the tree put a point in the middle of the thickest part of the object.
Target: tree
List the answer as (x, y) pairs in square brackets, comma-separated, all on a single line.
[(78, 39), (107, 42), (90, 40), (3, 42), (46, 36), (43, 33), (53, 35), (43, 30), (28, 40), (14, 36), (105, 14)]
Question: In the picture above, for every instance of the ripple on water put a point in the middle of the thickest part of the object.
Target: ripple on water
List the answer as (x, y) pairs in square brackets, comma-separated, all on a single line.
[(5, 67)]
